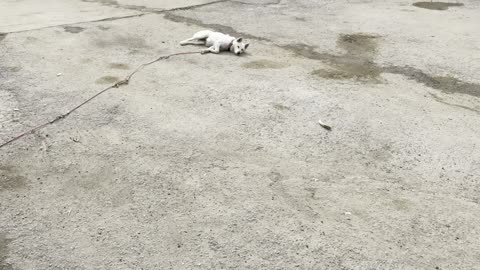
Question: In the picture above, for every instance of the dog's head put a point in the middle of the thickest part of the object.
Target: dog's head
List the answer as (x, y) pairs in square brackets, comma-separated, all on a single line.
[(238, 47)]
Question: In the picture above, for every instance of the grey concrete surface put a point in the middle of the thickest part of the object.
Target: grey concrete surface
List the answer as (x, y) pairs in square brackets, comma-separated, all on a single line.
[(217, 161)]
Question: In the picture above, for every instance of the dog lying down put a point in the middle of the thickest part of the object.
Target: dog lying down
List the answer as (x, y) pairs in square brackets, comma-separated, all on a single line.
[(216, 42)]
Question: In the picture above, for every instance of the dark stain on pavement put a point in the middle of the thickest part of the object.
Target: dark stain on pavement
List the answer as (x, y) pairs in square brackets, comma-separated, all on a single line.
[(4, 241), (10, 179), (107, 80), (436, 5), (73, 29)]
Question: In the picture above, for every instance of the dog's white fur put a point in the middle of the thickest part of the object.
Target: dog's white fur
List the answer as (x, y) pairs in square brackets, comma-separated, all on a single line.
[(217, 42)]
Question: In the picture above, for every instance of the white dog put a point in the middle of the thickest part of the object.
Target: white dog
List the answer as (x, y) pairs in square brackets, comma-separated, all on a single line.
[(216, 42)]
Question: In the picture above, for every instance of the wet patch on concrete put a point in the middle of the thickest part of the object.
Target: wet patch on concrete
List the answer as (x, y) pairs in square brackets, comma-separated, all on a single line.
[(218, 27), (358, 70), (4, 241), (356, 62), (107, 80), (446, 84), (358, 44), (128, 41), (73, 29), (10, 69), (307, 51), (103, 28), (441, 100), (10, 179), (436, 5), (118, 66), (280, 107), (86, 60), (401, 204), (263, 64)]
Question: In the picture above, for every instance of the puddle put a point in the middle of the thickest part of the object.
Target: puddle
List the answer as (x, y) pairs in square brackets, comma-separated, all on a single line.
[(10, 179), (263, 64), (436, 5), (118, 66), (73, 29), (107, 80), (4, 241)]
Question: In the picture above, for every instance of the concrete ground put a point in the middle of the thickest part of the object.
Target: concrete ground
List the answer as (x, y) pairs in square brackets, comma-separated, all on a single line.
[(218, 161)]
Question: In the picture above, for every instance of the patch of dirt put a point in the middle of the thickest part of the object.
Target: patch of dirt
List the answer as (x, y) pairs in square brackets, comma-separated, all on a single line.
[(436, 5)]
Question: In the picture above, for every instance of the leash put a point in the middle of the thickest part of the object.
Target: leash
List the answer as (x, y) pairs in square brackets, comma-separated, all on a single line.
[(115, 85)]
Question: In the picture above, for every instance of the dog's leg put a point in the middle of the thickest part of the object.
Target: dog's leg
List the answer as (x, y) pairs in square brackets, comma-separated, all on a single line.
[(197, 39), (192, 41), (213, 49)]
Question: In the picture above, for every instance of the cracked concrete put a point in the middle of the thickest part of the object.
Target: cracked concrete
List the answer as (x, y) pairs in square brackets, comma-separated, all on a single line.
[(217, 161)]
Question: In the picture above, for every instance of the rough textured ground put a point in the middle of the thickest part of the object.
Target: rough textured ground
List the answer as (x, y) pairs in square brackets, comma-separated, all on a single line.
[(217, 161)]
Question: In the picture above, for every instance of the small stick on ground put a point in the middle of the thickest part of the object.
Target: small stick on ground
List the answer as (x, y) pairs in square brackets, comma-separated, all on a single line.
[(325, 126)]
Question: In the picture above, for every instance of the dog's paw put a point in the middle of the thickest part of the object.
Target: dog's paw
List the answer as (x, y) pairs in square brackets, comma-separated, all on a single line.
[(204, 51)]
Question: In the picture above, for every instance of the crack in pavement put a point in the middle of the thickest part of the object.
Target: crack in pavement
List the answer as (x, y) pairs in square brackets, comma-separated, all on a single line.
[(115, 4)]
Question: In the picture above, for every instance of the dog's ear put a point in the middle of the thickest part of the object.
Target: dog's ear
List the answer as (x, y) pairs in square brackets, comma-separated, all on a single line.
[(246, 45), (239, 39)]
